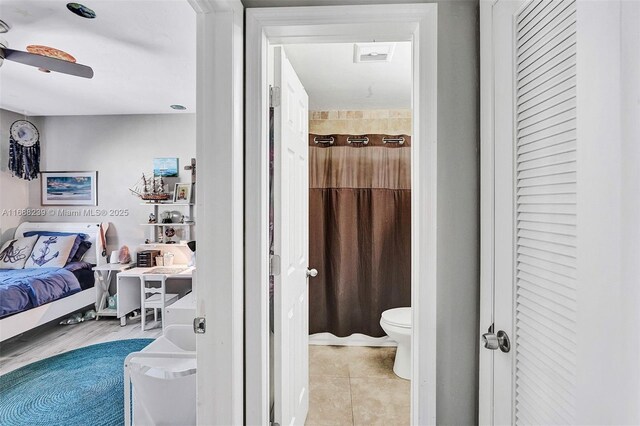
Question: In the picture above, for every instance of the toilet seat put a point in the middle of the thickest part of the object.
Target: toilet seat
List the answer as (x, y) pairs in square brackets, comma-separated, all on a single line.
[(397, 317)]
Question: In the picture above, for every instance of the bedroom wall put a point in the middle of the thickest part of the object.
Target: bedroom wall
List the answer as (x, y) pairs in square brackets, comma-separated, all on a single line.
[(14, 192), (120, 148)]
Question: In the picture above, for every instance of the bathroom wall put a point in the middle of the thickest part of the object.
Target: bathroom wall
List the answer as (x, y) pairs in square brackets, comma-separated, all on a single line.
[(378, 121)]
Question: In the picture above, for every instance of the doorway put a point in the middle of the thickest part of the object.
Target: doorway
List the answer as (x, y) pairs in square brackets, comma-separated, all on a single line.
[(414, 23), (358, 147)]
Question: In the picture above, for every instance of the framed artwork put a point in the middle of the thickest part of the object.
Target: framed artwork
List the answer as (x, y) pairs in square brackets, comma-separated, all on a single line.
[(165, 167), (69, 188), (182, 193)]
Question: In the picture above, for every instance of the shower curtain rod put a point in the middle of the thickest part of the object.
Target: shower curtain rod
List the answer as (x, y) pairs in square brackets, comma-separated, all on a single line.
[(393, 140), (329, 140), (364, 140)]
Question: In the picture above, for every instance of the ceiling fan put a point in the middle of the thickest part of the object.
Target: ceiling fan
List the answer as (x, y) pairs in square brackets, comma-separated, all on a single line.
[(43, 62)]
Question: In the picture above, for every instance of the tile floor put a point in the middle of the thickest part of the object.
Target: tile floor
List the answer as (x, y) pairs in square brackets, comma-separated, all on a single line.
[(352, 385)]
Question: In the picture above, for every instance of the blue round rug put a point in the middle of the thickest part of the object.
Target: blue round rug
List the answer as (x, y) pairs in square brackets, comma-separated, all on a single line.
[(81, 387)]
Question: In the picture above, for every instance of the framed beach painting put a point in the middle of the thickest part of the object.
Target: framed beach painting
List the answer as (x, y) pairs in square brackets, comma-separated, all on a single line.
[(165, 167), (69, 188)]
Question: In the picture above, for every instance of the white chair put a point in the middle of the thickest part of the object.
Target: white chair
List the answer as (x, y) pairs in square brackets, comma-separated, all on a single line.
[(154, 297), (160, 381)]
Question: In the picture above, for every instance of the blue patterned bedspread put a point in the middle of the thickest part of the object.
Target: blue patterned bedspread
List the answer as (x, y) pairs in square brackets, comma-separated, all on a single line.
[(22, 289)]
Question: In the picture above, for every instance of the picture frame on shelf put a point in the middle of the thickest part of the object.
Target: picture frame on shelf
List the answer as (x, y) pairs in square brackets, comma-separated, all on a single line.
[(182, 193), (67, 188)]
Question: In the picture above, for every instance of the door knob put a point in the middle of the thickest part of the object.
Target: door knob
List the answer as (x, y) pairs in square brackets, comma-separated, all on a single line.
[(496, 341), (312, 273)]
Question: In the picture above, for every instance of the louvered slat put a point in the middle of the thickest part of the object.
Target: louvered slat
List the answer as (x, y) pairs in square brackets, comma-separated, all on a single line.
[(545, 367), (565, 294), (567, 177), (546, 194), (549, 383), (551, 266), (529, 28), (550, 74), (547, 150), (547, 218), (544, 406), (568, 209), (567, 261), (547, 28)]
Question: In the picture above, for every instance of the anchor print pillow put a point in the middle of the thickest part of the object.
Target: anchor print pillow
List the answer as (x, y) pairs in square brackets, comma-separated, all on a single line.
[(14, 253), (51, 251)]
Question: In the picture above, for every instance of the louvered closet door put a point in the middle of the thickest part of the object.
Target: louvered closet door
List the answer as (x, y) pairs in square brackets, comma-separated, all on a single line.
[(535, 252)]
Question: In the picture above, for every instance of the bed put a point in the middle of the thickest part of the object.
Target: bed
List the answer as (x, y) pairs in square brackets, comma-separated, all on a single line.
[(32, 297)]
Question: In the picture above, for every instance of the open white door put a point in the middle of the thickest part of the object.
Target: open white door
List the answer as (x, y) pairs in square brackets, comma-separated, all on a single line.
[(534, 191), (291, 244)]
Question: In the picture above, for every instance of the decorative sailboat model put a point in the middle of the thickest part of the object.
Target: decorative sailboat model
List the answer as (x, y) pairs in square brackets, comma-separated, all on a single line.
[(150, 189)]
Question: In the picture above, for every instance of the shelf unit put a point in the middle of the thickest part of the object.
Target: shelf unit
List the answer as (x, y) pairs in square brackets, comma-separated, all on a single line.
[(156, 235)]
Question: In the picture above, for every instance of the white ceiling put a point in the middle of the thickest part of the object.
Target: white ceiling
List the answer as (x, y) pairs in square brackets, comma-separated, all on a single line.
[(289, 3), (143, 54), (334, 82)]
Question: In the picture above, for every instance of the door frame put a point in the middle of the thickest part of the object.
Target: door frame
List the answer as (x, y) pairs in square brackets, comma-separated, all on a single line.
[(315, 24), (218, 281), (487, 210)]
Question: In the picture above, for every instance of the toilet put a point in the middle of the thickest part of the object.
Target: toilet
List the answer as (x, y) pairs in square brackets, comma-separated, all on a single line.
[(397, 324)]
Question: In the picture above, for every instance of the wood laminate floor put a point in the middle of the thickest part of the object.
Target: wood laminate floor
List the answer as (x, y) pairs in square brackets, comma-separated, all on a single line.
[(52, 339)]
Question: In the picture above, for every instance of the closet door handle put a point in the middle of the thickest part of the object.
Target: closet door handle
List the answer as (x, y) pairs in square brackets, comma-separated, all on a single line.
[(312, 273)]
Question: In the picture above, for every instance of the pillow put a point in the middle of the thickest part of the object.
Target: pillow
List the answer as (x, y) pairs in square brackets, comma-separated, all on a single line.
[(14, 253), (51, 251), (82, 249), (79, 238)]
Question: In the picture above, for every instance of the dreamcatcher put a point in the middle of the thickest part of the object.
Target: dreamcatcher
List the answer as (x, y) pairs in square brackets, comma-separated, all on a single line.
[(24, 150)]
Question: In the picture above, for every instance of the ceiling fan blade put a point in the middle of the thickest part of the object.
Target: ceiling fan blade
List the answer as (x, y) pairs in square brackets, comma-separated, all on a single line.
[(48, 63)]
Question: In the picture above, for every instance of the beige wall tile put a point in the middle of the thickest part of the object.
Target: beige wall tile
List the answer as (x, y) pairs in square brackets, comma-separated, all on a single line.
[(360, 122), (379, 113), (400, 113), (400, 126)]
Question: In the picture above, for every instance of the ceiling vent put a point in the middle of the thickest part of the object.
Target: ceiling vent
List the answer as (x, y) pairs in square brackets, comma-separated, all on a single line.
[(373, 52)]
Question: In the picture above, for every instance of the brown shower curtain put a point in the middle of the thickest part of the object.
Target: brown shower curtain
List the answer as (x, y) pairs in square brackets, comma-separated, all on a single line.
[(359, 233)]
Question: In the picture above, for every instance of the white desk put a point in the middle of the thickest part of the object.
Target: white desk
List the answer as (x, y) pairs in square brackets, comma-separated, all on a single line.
[(103, 275), (131, 281)]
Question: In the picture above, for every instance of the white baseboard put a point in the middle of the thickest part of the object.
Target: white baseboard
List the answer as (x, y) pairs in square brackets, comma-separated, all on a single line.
[(356, 339)]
